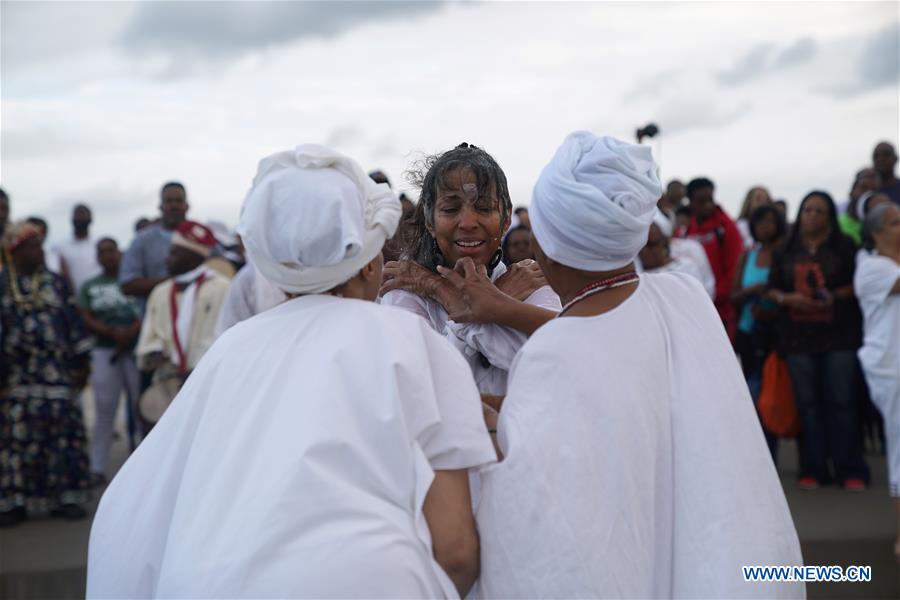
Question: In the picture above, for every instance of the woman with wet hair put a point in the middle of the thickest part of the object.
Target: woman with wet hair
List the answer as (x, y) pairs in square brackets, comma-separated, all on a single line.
[(453, 275)]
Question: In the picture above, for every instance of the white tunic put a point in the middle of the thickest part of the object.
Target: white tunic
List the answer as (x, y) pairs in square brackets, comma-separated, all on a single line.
[(80, 256), (295, 463), (635, 465), (248, 294), (477, 342), (683, 265), (692, 251), (880, 352)]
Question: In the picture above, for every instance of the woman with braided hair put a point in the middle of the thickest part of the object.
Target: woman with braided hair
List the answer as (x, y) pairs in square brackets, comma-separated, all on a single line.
[(453, 275), (44, 361)]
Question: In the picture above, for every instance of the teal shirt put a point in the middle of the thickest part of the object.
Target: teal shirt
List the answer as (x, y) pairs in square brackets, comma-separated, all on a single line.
[(103, 297)]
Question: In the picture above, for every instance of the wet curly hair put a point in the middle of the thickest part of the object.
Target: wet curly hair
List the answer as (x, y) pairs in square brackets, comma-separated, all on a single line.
[(428, 175)]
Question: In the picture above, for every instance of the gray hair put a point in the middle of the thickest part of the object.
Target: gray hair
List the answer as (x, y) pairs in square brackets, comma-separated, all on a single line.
[(874, 223)]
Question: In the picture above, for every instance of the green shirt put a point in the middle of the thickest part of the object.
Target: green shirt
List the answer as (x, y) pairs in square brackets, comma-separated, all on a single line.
[(103, 297), (851, 227)]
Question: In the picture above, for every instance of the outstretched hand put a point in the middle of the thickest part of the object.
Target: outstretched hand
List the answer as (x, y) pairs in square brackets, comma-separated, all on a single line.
[(480, 300)]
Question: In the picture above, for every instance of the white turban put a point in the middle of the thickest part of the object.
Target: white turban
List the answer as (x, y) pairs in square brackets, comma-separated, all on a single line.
[(663, 222), (313, 218), (593, 204)]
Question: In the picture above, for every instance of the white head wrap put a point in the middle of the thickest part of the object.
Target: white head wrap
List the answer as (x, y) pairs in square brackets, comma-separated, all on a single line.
[(593, 204), (313, 218), (663, 222)]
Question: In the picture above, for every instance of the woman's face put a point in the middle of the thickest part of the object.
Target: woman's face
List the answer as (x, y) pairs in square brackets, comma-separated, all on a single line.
[(889, 236), (466, 224), (766, 228), (814, 216), (518, 246)]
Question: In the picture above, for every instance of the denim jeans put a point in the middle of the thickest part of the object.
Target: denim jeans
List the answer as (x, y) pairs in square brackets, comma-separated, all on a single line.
[(824, 386)]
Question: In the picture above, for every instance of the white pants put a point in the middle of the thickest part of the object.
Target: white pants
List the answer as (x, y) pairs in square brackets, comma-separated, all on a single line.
[(109, 380), (885, 393)]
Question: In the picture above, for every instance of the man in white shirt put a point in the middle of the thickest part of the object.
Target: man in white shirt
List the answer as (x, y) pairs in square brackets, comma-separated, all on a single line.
[(79, 254)]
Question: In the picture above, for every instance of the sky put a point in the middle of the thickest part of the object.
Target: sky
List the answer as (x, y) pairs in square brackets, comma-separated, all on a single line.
[(102, 102)]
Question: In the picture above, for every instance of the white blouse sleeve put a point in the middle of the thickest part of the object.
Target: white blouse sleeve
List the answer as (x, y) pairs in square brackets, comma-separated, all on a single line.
[(497, 343), (874, 279), (407, 301)]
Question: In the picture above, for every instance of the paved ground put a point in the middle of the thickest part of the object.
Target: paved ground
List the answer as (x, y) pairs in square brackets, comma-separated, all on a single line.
[(45, 558)]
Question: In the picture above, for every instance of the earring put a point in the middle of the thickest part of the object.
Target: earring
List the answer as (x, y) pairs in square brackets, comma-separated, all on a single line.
[(495, 259)]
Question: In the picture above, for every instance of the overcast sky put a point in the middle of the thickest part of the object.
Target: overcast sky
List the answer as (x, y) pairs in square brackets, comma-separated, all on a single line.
[(103, 102)]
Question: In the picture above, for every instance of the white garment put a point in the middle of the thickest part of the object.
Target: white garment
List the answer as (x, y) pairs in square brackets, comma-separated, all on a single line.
[(81, 260), (682, 265), (156, 330), (880, 352), (313, 219), (53, 263), (495, 343), (248, 294), (295, 463), (594, 202), (692, 250), (635, 465)]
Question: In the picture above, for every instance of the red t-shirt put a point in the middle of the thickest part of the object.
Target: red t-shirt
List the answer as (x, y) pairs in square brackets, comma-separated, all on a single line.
[(723, 244)]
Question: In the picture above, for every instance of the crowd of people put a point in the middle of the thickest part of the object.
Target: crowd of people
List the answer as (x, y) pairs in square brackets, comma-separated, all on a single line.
[(262, 381)]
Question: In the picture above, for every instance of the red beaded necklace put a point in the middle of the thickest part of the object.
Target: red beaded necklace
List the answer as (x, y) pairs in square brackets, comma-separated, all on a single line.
[(599, 286)]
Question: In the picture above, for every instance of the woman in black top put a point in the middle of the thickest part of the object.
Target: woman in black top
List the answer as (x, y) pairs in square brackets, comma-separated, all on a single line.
[(820, 330)]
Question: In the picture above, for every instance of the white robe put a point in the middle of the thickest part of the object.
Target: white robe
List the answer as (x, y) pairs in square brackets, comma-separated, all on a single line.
[(295, 463), (692, 250), (248, 294), (683, 265), (635, 465), (495, 343), (880, 352)]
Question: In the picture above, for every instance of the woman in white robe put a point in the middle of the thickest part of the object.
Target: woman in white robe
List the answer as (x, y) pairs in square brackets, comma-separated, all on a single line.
[(463, 211), (876, 284), (320, 448), (634, 464)]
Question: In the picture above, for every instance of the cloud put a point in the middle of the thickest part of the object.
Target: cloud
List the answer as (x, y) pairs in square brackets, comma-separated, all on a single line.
[(759, 61), (36, 32), (192, 30), (681, 114), (748, 67), (44, 142), (650, 87), (801, 51), (345, 136), (877, 67)]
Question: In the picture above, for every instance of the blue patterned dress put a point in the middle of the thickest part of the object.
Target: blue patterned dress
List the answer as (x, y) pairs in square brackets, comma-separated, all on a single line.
[(43, 459)]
